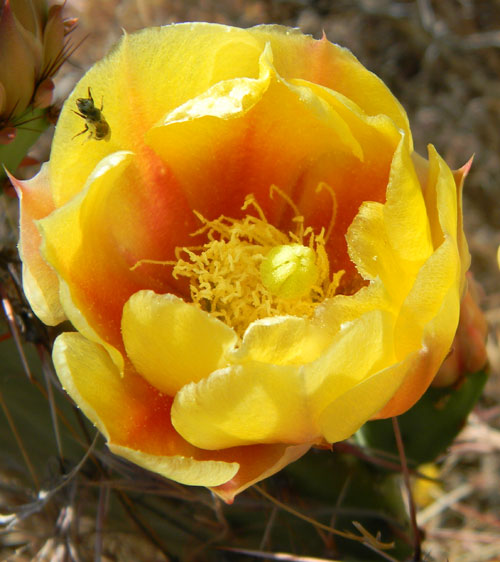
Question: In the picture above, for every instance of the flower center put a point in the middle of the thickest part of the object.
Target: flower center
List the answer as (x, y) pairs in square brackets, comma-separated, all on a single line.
[(249, 269), (289, 271)]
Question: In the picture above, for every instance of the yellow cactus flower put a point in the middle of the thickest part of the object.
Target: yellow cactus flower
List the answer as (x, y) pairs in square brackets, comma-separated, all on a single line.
[(253, 256)]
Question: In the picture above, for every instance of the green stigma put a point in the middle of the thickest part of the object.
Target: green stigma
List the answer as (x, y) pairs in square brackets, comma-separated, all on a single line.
[(289, 271)]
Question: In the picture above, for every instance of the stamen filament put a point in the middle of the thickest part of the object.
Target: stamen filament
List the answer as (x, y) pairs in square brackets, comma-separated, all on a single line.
[(331, 224)]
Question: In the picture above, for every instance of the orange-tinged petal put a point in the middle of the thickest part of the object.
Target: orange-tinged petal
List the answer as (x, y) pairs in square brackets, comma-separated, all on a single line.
[(95, 252), (463, 248), (241, 146), (245, 404), (135, 419), (256, 463), (351, 182), (81, 323), (233, 98), (112, 402), (324, 63), (133, 416), (436, 342), (39, 279), (135, 99), (65, 243), (172, 343)]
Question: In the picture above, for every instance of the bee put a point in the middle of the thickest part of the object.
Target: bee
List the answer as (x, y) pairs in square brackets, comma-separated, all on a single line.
[(94, 119)]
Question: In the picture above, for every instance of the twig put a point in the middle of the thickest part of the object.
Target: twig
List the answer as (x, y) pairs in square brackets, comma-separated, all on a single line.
[(50, 395), (417, 549), (11, 320), (269, 526), (19, 441), (144, 528), (365, 538), (99, 526), (283, 556)]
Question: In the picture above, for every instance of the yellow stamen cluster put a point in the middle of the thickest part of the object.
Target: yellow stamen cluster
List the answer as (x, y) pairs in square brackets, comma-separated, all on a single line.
[(227, 278)]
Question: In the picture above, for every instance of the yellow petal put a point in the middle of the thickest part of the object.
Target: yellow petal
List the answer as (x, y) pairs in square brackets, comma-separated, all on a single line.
[(441, 198), (377, 136), (436, 340), (172, 343), (184, 470), (227, 98), (444, 205), (336, 313), (405, 214), (232, 138), (345, 415), (134, 419), (145, 76), (93, 381), (371, 251), (352, 183), (80, 257), (324, 63), (282, 340), (40, 282), (245, 404), (344, 364), (439, 275), (429, 315), (149, 74), (81, 323)]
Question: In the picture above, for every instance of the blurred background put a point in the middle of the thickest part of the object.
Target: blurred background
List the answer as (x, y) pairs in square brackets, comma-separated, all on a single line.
[(441, 59)]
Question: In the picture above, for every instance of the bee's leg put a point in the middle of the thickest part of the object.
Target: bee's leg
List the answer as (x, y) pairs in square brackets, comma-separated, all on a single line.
[(79, 114), (102, 103), (81, 133)]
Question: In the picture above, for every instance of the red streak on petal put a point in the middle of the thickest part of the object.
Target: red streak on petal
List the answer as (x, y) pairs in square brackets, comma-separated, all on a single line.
[(144, 216)]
